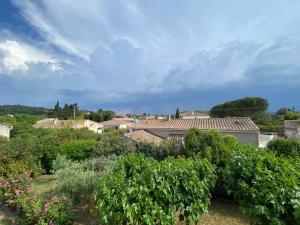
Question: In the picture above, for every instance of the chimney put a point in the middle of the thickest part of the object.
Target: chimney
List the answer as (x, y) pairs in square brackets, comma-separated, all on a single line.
[(169, 119)]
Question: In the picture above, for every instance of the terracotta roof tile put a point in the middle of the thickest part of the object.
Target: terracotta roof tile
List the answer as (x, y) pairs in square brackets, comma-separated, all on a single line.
[(238, 124), (143, 136)]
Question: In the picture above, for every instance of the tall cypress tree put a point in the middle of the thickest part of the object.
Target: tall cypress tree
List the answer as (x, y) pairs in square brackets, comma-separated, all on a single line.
[(177, 114)]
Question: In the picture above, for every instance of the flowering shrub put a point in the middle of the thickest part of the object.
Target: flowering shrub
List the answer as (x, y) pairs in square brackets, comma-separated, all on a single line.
[(31, 209), (11, 188)]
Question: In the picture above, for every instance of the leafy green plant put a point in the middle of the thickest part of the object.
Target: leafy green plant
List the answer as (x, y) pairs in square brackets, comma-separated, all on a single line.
[(111, 143), (285, 147), (266, 186), (141, 190), (211, 145), (161, 151)]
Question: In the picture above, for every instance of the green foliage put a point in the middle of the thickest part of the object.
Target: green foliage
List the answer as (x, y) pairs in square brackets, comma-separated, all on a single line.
[(161, 151), (111, 143), (285, 147), (249, 106), (267, 187), (177, 114), (21, 109), (144, 191), (211, 145), (77, 149), (66, 112), (100, 115), (16, 192), (78, 179), (291, 115)]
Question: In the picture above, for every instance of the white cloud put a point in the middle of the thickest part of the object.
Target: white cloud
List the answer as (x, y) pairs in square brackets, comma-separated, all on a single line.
[(16, 56)]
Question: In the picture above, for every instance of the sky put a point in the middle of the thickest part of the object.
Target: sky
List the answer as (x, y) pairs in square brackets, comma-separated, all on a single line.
[(149, 56)]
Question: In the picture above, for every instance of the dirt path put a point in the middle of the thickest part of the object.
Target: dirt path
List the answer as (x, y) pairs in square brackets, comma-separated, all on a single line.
[(6, 216)]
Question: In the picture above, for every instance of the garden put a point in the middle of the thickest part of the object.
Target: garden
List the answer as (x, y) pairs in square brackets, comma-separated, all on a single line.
[(68, 176)]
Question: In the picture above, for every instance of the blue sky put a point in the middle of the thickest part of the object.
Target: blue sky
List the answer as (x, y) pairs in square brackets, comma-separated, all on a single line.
[(149, 56)]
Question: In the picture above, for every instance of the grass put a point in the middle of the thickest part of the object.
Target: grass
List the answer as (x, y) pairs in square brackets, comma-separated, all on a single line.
[(221, 212)]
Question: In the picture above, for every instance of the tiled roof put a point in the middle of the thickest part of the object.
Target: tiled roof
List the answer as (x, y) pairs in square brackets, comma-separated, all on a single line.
[(117, 122), (143, 136), (230, 124)]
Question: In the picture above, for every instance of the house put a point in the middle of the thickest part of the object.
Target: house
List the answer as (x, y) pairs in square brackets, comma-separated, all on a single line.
[(5, 129), (292, 128), (243, 128), (193, 115), (143, 136), (75, 124)]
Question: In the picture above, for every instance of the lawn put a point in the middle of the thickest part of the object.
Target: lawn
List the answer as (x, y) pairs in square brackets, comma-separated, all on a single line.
[(220, 212)]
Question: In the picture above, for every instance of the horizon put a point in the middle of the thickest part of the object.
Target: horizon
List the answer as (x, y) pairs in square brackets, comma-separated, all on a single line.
[(149, 56)]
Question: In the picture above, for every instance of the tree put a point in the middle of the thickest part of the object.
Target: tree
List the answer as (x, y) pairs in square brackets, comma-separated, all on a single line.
[(100, 115), (249, 106), (177, 114)]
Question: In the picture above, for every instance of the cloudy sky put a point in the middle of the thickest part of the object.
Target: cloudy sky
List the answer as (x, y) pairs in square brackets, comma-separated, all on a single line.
[(142, 55)]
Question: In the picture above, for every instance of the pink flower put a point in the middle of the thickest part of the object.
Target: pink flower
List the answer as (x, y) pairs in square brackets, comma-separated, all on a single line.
[(46, 207), (18, 192)]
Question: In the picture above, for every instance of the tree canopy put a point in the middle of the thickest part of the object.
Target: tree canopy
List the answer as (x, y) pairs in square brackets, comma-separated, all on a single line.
[(249, 106)]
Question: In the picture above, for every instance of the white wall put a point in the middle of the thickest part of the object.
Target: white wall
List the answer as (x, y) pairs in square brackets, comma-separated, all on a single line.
[(5, 130), (244, 137)]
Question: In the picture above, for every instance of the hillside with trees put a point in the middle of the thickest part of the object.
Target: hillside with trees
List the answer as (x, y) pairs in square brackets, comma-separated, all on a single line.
[(22, 109)]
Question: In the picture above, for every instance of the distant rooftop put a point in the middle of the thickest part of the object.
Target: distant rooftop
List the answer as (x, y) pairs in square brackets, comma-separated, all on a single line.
[(143, 136), (230, 124)]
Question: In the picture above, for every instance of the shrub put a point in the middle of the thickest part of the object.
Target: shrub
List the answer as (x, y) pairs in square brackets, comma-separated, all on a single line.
[(266, 186), (144, 191), (211, 145), (78, 179), (285, 147), (31, 209), (111, 144), (162, 151)]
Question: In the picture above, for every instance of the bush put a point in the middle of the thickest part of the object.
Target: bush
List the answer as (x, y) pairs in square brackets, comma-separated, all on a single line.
[(111, 144), (78, 179), (144, 191), (17, 194), (266, 186), (211, 145), (285, 147), (33, 211), (162, 151)]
